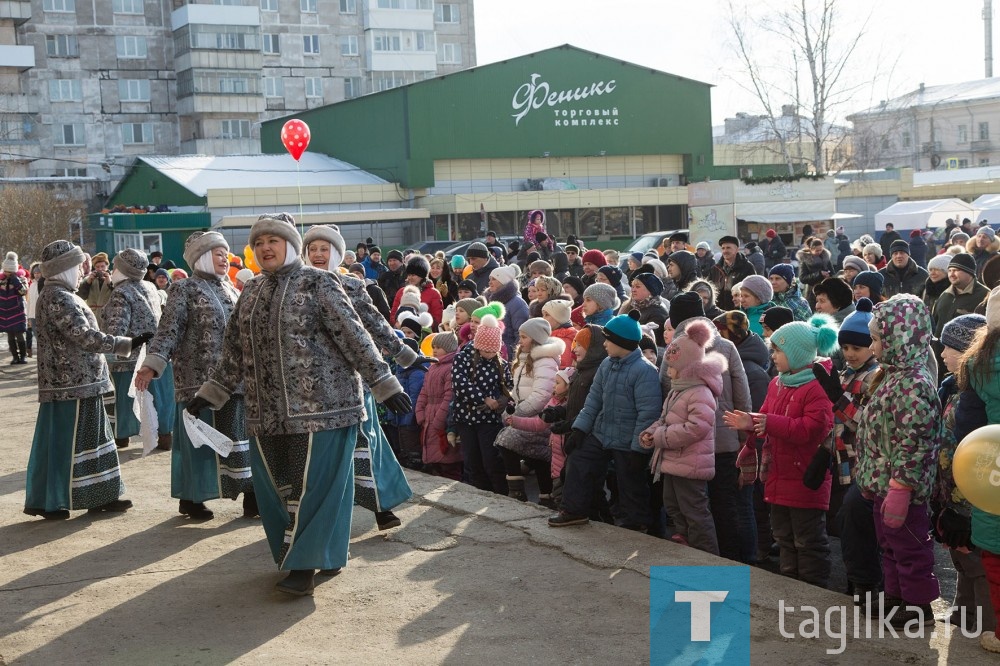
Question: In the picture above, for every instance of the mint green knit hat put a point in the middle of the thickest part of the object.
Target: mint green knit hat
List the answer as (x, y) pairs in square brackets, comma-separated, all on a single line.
[(803, 341)]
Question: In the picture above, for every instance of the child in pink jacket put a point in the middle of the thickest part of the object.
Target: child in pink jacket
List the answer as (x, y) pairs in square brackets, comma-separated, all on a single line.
[(684, 436), (536, 424)]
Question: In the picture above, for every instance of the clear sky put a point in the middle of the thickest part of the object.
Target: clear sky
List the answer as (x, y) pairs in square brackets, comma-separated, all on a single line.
[(910, 41)]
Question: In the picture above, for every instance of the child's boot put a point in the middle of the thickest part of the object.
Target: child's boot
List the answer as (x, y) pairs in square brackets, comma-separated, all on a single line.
[(515, 488)]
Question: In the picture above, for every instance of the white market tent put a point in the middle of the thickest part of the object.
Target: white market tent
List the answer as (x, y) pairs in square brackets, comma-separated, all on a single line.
[(988, 206), (923, 214)]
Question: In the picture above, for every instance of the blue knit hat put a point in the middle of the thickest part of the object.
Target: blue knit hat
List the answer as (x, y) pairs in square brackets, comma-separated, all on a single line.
[(802, 341), (637, 257), (624, 330), (854, 330), (959, 332), (784, 271), (873, 281), (653, 284)]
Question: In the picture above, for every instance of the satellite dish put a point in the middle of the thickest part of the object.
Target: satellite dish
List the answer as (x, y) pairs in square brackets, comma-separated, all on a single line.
[(935, 161)]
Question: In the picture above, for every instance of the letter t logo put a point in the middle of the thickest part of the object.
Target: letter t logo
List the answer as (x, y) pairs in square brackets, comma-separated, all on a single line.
[(701, 610)]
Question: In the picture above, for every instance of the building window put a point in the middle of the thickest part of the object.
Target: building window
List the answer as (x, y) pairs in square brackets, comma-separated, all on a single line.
[(235, 129), (130, 46), (308, 6), (127, 6), (906, 140), (985, 161), (963, 164), (57, 172), (450, 54), (274, 86), (234, 85), (62, 46), (65, 90), (133, 90), (349, 45), (310, 44), (272, 45), (963, 134), (269, 5), (59, 5), (445, 13), (214, 82), (69, 135), (133, 133), (348, 7), (403, 41), (406, 4), (314, 87), (885, 143), (352, 87), (984, 131)]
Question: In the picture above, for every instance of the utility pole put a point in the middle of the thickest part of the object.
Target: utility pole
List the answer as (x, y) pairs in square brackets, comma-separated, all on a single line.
[(988, 35)]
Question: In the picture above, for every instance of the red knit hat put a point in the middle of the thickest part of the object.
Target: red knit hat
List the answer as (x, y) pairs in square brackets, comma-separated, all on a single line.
[(595, 257), (771, 233), (489, 336)]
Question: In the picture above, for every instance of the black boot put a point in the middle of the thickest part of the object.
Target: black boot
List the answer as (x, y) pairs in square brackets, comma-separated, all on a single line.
[(118, 506), (121, 442), (329, 573), (923, 614), (195, 510), (250, 509), (515, 488), (164, 442), (59, 514), (298, 583), (386, 520)]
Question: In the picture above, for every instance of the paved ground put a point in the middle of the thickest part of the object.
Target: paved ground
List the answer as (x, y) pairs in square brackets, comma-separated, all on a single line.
[(470, 578)]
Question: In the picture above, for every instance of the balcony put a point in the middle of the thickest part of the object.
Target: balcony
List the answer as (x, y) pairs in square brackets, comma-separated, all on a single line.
[(409, 18), (19, 57), (981, 146), (19, 12), (214, 15), (245, 146)]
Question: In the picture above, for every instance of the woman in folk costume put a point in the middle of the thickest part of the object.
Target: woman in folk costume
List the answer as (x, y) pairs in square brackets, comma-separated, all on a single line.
[(74, 461), (134, 308), (190, 336), (297, 343), (379, 482)]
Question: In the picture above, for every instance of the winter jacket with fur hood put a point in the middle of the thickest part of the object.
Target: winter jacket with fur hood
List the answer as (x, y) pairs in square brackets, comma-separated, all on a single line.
[(133, 309), (432, 413), (532, 391), (892, 447), (684, 435), (191, 332), (735, 389), (71, 346), (812, 267), (296, 341), (982, 256)]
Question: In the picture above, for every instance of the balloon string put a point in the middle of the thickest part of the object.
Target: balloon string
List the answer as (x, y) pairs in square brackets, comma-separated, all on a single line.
[(298, 185)]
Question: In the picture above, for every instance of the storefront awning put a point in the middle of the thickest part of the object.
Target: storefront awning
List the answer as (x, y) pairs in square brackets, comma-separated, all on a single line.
[(777, 218)]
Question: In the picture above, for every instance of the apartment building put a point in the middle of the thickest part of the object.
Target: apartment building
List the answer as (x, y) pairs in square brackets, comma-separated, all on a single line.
[(87, 85)]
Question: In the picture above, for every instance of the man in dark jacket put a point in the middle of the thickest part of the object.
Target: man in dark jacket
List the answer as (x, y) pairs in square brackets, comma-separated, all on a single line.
[(392, 280), (730, 270), (918, 248), (964, 294), (902, 275), (755, 257), (776, 251), (888, 237), (482, 265)]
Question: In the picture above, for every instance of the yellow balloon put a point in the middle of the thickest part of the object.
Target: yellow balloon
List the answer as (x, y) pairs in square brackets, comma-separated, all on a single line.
[(250, 260), (425, 346), (466, 272), (976, 468)]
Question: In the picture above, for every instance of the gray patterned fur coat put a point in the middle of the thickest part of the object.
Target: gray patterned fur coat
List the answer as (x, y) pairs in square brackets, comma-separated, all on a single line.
[(71, 346), (373, 321), (297, 342), (133, 309), (191, 332)]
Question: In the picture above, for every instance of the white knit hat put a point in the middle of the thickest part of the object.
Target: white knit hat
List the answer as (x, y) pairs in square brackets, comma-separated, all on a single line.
[(10, 263), (559, 310), (503, 275), (940, 262)]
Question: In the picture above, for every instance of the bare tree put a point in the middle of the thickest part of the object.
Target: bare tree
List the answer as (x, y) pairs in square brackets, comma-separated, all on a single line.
[(810, 61), (32, 217)]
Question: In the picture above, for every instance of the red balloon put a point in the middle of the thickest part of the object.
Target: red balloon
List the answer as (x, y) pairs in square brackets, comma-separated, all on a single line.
[(295, 137)]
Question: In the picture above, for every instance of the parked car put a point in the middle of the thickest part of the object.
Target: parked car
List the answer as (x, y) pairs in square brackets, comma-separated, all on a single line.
[(461, 246), (430, 247), (643, 243)]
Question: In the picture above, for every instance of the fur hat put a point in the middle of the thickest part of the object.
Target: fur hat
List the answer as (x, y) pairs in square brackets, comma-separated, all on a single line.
[(653, 284), (776, 317), (595, 257), (559, 310), (200, 242), (503, 274), (857, 263), (964, 262), (784, 271), (131, 263), (59, 256), (959, 332), (537, 329), (854, 329), (489, 335), (98, 258), (939, 262), (874, 282), (447, 342), (477, 250), (417, 265), (540, 266), (759, 286), (331, 234), (686, 354), (10, 263), (277, 224), (684, 306), (493, 309), (803, 341), (470, 305), (681, 236), (705, 289), (624, 330), (899, 245), (733, 326), (603, 294), (244, 275), (874, 249), (837, 291), (552, 286)]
